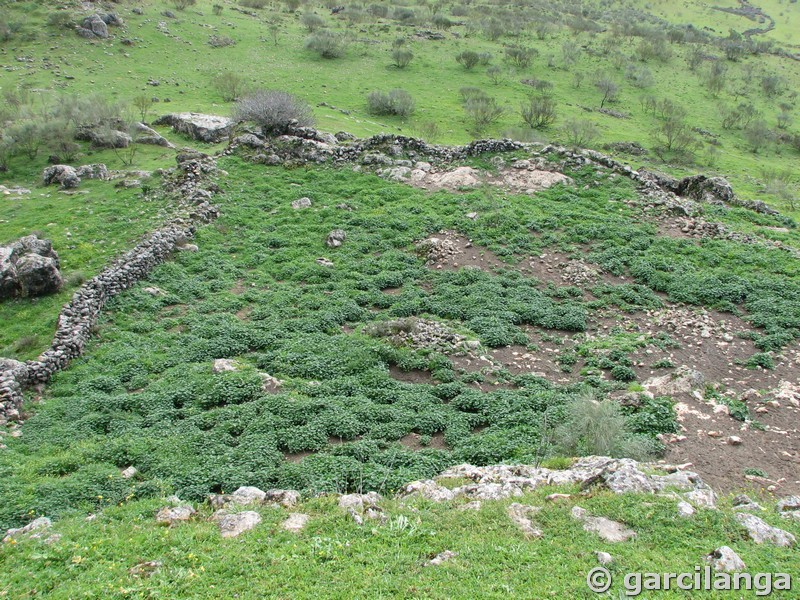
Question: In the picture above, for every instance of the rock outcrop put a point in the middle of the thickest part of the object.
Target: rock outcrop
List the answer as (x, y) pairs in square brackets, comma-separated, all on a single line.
[(29, 267), (210, 129)]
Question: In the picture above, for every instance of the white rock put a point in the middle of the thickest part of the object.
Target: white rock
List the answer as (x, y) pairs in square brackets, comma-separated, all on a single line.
[(761, 532), (222, 365), (129, 473), (296, 522), (725, 559), (170, 515), (609, 530), (604, 558), (235, 524), (685, 509)]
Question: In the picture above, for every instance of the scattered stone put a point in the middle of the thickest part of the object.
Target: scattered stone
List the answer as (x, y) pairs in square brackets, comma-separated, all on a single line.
[(474, 505), (440, 558), (284, 498), (725, 559), (37, 525), (223, 365), (172, 515), (682, 381), (129, 473), (296, 522), (235, 524), (359, 502), (301, 203), (29, 267), (93, 171), (702, 498), (145, 569), (324, 262), (604, 558), (789, 507), (93, 26), (428, 489), (744, 502), (520, 514), (734, 440), (760, 532), (610, 531), (247, 495), (149, 136), (335, 238)]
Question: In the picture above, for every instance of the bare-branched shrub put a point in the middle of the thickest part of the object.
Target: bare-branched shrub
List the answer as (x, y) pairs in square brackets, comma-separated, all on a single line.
[(539, 112), (482, 112), (183, 4), (495, 73), (580, 133), (519, 56), (258, 4), (273, 110)]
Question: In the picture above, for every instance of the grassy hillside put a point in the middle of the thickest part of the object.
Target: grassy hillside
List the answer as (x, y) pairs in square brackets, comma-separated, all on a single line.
[(335, 558), (270, 357), (176, 53)]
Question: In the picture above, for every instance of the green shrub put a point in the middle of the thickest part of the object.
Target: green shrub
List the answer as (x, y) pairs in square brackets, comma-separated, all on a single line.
[(327, 44), (394, 102)]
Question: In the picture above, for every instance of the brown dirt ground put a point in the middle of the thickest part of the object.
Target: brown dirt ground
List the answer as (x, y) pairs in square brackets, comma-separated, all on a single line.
[(708, 341)]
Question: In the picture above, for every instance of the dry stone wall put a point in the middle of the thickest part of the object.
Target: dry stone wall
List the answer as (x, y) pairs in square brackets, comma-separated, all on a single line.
[(190, 183)]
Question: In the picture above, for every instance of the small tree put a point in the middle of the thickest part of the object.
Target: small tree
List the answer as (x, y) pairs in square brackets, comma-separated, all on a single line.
[(609, 89), (273, 110), (570, 53), (717, 77), (482, 112), (539, 112), (27, 138), (143, 103), (401, 57), (495, 73), (326, 43), (468, 59)]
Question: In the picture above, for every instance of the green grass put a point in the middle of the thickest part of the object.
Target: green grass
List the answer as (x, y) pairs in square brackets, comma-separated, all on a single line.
[(88, 229), (334, 558), (287, 65)]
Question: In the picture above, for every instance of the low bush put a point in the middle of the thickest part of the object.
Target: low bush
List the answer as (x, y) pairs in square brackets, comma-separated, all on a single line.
[(327, 44), (394, 102)]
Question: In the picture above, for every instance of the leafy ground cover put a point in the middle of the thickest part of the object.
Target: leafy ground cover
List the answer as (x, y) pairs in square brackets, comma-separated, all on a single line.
[(145, 393)]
